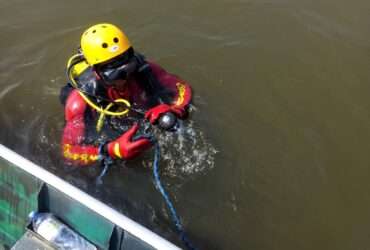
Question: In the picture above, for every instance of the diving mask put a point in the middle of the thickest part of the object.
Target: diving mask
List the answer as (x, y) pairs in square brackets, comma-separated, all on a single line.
[(119, 69)]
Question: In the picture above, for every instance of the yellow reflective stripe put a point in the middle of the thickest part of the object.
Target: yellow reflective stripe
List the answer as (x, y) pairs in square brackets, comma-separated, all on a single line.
[(94, 157), (85, 158), (66, 152), (75, 157), (181, 88), (116, 150)]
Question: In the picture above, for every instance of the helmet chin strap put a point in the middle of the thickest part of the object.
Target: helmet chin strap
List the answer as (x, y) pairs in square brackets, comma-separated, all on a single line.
[(98, 77)]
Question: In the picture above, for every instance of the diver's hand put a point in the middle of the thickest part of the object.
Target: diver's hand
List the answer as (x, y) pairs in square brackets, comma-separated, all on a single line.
[(154, 113), (125, 148)]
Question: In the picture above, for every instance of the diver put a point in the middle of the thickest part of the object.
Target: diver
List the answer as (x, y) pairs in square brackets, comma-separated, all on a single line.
[(110, 83)]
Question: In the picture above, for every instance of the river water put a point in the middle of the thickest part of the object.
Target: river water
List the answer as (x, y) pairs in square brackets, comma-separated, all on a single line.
[(275, 154)]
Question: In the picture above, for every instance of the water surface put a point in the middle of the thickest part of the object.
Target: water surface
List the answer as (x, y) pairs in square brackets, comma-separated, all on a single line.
[(281, 93)]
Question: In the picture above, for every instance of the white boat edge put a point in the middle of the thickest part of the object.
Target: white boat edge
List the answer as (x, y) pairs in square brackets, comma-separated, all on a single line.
[(95, 205)]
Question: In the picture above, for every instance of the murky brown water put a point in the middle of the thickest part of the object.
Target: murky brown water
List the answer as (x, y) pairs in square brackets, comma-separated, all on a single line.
[(282, 93)]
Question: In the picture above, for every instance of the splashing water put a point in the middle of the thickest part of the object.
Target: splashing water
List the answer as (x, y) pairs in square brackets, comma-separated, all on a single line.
[(185, 152)]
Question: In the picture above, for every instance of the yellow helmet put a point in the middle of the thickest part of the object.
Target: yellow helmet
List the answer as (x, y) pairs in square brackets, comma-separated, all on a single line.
[(102, 42)]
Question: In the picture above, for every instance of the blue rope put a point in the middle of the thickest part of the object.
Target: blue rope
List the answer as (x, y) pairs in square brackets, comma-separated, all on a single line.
[(169, 204), (108, 161)]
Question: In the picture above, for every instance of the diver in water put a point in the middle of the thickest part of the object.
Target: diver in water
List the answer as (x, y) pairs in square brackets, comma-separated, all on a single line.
[(110, 83)]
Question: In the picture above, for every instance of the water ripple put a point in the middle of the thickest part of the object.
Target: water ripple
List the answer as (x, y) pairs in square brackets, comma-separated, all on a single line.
[(9, 88)]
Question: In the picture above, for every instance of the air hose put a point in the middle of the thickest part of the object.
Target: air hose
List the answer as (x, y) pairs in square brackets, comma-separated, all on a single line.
[(168, 121), (77, 58)]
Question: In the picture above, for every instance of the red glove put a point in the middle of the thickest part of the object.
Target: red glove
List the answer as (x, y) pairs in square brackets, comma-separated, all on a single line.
[(124, 148), (154, 113)]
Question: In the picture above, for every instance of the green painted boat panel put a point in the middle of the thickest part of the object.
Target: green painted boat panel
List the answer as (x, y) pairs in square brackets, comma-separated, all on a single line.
[(21, 193), (18, 197)]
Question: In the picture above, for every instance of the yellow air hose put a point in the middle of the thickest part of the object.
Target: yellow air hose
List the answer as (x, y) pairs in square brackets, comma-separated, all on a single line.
[(103, 111)]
